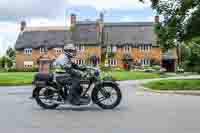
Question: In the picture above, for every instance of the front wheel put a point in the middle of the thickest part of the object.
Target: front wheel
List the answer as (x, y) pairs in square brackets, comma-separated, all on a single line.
[(107, 97), (46, 98)]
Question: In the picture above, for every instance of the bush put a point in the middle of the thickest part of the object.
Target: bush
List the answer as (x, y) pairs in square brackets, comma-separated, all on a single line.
[(118, 69), (180, 70), (13, 70), (156, 67), (3, 70), (155, 62), (162, 70)]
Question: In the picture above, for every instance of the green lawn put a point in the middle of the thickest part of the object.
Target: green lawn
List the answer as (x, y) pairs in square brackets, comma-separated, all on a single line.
[(15, 78), (133, 75), (174, 85), (23, 78)]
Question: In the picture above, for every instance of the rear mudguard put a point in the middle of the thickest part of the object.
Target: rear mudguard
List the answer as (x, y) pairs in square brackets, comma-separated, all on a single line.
[(98, 86)]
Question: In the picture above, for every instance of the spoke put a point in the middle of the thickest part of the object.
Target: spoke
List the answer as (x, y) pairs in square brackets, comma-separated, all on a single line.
[(101, 99), (103, 92)]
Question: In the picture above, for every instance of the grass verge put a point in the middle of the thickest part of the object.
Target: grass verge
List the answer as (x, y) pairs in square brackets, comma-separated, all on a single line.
[(133, 75), (24, 78), (189, 84), (15, 78)]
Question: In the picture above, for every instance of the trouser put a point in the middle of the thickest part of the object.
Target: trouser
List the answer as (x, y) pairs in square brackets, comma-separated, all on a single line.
[(75, 91)]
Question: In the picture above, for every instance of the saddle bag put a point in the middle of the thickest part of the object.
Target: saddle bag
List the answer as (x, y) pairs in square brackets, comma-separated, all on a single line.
[(41, 79)]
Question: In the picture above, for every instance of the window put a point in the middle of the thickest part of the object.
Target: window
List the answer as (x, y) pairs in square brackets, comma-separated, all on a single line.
[(43, 50), (112, 62), (111, 49), (79, 61), (114, 49), (145, 62), (145, 47), (58, 50), (28, 64), (28, 51), (126, 48), (80, 47)]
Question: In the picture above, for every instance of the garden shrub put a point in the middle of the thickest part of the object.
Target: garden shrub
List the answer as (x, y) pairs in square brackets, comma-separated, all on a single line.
[(156, 67)]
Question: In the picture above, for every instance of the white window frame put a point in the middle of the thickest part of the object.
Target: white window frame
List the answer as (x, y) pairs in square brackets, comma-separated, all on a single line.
[(43, 50), (145, 62), (79, 61), (114, 48), (28, 64), (28, 51), (127, 48), (145, 48), (58, 50), (109, 49), (80, 47), (112, 62)]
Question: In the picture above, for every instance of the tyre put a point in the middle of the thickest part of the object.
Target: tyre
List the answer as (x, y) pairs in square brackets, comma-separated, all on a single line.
[(107, 97), (44, 98)]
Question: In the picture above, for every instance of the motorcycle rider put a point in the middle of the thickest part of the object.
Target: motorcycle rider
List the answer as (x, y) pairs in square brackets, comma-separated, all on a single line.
[(73, 69)]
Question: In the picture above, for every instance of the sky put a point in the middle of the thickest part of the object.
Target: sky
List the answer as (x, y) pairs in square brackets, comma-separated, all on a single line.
[(57, 12)]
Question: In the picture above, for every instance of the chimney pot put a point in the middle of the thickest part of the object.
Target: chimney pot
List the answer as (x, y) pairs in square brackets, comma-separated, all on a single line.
[(101, 16), (23, 25), (73, 19)]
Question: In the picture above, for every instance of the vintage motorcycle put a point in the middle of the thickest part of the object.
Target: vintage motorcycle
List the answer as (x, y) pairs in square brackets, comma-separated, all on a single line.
[(52, 90)]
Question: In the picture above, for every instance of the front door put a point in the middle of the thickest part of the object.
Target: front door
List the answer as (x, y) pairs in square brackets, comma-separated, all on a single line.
[(169, 65)]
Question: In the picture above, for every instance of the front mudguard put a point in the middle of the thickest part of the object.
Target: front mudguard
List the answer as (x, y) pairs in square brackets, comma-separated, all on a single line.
[(99, 85), (107, 82)]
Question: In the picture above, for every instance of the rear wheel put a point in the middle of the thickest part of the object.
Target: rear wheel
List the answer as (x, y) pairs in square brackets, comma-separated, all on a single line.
[(46, 98), (107, 97)]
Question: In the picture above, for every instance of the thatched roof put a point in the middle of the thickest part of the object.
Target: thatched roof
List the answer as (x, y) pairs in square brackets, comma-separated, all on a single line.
[(134, 33)]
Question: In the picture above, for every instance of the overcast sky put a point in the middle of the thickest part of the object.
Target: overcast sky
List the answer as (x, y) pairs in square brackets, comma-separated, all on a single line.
[(56, 12)]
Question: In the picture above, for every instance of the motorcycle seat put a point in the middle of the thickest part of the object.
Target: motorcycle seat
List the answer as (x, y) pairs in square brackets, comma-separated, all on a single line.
[(43, 76)]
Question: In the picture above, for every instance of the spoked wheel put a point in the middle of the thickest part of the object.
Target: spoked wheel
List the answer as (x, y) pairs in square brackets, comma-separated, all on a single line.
[(107, 97), (46, 98)]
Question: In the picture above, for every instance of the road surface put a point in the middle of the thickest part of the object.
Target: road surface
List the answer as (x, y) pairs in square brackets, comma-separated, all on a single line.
[(139, 112)]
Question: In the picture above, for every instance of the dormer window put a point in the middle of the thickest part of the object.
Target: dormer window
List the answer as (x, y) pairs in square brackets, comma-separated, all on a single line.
[(127, 48), (145, 47), (28, 51), (58, 50), (43, 50), (80, 47), (111, 49)]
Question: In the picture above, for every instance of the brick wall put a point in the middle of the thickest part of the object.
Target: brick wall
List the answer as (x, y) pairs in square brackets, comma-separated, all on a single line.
[(21, 57), (88, 52), (154, 53), (136, 54)]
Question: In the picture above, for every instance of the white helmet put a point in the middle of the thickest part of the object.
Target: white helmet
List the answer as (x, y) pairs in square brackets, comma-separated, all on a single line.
[(69, 50)]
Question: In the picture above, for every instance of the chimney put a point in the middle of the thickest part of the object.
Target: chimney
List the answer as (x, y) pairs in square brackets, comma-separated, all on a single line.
[(23, 25), (157, 19), (100, 26), (101, 16), (73, 19)]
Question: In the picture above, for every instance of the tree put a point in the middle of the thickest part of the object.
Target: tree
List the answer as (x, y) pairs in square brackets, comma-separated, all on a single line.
[(182, 21), (10, 52), (4, 62)]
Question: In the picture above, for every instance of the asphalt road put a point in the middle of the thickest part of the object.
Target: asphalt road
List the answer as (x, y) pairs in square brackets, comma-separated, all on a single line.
[(139, 112)]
